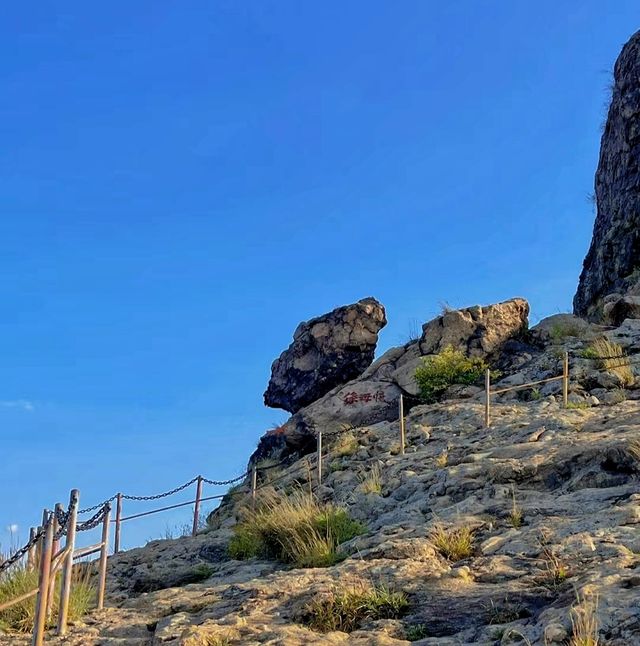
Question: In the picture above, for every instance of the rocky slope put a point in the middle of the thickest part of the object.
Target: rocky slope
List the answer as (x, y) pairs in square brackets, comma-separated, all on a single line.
[(610, 267), (574, 475)]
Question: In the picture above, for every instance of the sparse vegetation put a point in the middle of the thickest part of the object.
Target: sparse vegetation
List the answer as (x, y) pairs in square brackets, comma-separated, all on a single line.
[(516, 517), (295, 529), (415, 632), (442, 460), (346, 444), (440, 371), (453, 543), (556, 572), (505, 611), (346, 610), (611, 358), (564, 329), (577, 405), (372, 481), (19, 580), (584, 622)]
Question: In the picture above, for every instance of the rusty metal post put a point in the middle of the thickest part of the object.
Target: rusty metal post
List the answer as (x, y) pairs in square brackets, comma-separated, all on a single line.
[(402, 429), (319, 458), (67, 566), (196, 510), (116, 540), (40, 621), (104, 553), (254, 485), (565, 380), (487, 398)]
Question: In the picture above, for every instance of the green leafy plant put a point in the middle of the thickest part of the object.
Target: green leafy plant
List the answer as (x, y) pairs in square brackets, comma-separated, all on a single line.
[(415, 632), (295, 529), (442, 370), (345, 610)]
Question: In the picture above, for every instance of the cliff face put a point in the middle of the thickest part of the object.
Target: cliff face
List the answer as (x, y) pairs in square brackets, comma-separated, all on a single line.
[(614, 255)]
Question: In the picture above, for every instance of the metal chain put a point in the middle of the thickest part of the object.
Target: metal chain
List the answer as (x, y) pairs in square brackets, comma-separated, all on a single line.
[(222, 483), (19, 554), (99, 505), (162, 495), (95, 520)]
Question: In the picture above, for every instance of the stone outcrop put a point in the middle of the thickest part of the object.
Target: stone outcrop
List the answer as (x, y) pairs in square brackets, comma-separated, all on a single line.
[(326, 352), (478, 331), (612, 262)]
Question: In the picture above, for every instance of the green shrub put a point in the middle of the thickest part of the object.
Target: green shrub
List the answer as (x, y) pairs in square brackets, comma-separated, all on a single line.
[(345, 610), (295, 529), (415, 632), (440, 371)]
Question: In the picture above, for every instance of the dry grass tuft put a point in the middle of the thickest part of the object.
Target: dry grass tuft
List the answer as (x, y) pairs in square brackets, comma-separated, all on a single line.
[(584, 621), (347, 609), (346, 445), (516, 517), (372, 481), (454, 544), (614, 362), (294, 529)]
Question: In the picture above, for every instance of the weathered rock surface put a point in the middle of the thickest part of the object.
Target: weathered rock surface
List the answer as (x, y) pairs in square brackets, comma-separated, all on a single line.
[(614, 255), (326, 352), (478, 331), (573, 474)]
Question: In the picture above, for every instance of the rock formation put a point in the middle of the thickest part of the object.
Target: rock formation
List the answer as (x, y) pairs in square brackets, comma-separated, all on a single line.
[(613, 260), (326, 352), (478, 331)]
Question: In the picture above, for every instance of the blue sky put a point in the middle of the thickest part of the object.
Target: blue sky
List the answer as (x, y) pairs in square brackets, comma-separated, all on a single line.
[(182, 183)]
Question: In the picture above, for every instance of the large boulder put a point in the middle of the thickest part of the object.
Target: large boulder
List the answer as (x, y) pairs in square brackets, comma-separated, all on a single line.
[(612, 262), (326, 352), (477, 331)]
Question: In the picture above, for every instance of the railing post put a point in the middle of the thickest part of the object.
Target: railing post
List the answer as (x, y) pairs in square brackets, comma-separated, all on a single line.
[(67, 566), (319, 458), (104, 553), (254, 484), (40, 620), (401, 415), (565, 380), (55, 547), (487, 398), (196, 510), (31, 554), (116, 539)]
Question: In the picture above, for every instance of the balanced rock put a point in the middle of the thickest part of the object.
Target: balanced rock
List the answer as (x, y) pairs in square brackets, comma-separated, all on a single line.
[(477, 330), (326, 352), (613, 258)]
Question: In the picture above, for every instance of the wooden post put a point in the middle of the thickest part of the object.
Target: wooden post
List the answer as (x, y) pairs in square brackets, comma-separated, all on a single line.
[(116, 540), (254, 484), (39, 624), (401, 414), (31, 554), (565, 380), (67, 566), (54, 550), (196, 510), (487, 398), (319, 458), (104, 553)]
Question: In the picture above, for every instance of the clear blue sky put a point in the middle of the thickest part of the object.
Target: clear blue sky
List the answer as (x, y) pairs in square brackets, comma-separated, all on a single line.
[(183, 182)]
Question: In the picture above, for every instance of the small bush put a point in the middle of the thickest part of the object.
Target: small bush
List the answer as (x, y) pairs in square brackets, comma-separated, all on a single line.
[(440, 371), (347, 609), (454, 544), (563, 330), (346, 444), (295, 529), (611, 358)]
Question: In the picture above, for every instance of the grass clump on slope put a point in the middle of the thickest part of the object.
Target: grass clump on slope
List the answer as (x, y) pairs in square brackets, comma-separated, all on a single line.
[(19, 580), (345, 610), (296, 529)]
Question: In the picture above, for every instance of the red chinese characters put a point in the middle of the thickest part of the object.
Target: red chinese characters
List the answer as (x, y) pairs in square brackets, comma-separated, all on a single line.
[(352, 398)]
